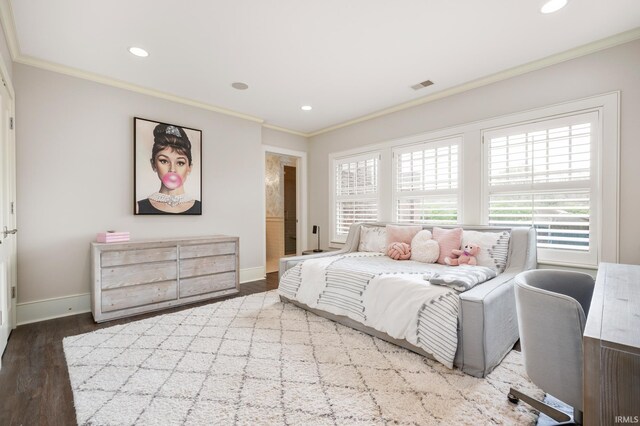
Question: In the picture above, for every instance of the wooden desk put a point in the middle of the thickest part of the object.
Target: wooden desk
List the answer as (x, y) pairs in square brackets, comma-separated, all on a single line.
[(612, 348)]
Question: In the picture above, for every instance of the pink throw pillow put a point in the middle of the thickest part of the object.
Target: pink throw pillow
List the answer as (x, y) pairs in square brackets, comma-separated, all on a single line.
[(399, 251), (448, 239), (402, 234)]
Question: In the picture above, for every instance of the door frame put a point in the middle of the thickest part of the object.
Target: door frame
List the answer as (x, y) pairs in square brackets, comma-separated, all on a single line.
[(11, 217), (301, 198)]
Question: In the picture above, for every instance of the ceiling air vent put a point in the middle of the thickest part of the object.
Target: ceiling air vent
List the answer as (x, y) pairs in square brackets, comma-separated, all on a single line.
[(419, 86)]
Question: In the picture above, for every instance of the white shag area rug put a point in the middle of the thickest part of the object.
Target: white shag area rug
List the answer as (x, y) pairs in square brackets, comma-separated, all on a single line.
[(254, 360)]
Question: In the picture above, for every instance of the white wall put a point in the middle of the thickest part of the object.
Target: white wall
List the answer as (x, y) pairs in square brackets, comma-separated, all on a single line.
[(605, 71), (284, 140), (75, 178)]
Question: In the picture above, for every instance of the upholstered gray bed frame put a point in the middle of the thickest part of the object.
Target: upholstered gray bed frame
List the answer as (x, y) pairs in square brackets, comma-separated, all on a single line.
[(487, 322)]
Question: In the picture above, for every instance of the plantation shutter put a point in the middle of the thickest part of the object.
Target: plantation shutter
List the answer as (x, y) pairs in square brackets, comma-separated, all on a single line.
[(356, 186), (542, 174), (426, 182)]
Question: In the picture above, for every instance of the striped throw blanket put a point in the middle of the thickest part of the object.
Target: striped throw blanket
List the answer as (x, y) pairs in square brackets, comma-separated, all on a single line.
[(442, 340), (345, 290)]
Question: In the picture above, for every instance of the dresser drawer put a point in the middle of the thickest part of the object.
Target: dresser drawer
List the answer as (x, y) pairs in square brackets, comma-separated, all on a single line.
[(139, 295), (204, 250), (207, 265), (207, 284), (143, 273), (129, 257)]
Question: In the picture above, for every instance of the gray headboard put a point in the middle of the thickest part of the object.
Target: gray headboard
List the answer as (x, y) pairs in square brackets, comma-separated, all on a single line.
[(522, 245)]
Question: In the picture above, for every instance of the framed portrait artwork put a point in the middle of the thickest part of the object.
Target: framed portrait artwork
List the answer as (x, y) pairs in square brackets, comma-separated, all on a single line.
[(167, 168)]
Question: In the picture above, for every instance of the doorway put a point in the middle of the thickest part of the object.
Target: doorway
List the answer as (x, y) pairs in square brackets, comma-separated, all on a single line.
[(285, 205), (290, 216)]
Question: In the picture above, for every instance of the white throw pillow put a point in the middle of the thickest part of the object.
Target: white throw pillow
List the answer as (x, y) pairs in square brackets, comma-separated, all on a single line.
[(373, 239), (494, 248), (423, 248)]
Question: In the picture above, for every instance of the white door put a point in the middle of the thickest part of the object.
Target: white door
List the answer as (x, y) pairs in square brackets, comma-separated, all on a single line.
[(8, 262)]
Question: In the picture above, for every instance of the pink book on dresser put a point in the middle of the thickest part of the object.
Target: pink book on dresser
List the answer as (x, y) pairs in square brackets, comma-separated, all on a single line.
[(112, 237)]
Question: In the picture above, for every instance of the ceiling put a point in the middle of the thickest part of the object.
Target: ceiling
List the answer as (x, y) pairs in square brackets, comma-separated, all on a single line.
[(347, 59)]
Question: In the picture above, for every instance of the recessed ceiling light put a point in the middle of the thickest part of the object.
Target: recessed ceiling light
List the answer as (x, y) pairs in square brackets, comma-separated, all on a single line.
[(553, 6), (138, 51), (240, 86), (306, 108)]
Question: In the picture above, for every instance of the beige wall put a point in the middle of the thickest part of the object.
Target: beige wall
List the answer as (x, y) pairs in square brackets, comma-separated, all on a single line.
[(275, 243), (284, 140), (605, 71), (75, 177)]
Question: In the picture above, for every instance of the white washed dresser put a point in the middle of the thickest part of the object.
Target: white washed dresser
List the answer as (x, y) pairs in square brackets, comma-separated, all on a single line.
[(146, 275)]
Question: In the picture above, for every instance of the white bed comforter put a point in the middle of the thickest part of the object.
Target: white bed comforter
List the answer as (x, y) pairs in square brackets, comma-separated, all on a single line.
[(394, 297)]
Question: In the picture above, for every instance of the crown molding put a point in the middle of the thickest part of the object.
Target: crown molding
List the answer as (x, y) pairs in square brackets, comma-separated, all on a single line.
[(74, 72), (567, 55), (285, 130)]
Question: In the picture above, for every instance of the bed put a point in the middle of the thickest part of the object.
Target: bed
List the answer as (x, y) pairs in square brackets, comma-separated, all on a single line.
[(472, 330)]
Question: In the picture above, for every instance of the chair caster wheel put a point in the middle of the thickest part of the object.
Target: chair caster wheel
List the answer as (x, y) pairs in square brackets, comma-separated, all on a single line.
[(512, 398)]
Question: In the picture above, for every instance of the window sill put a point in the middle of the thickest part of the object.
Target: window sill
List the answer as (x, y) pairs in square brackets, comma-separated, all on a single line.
[(568, 265)]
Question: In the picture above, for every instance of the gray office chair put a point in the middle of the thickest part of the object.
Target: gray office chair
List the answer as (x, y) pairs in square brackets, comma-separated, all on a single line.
[(552, 308)]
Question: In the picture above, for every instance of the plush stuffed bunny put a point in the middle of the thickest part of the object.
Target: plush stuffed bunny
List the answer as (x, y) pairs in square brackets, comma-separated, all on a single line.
[(465, 256)]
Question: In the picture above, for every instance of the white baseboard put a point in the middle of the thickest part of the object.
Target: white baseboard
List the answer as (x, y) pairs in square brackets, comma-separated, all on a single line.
[(252, 274), (42, 310), (58, 307)]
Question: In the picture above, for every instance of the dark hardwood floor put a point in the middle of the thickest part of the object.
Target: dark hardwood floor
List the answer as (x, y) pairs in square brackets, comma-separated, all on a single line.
[(34, 382)]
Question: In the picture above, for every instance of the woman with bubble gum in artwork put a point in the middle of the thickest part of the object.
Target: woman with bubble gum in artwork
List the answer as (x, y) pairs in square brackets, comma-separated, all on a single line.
[(171, 160)]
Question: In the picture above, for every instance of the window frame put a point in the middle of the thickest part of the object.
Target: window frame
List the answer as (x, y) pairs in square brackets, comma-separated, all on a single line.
[(566, 257), (335, 198), (421, 146)]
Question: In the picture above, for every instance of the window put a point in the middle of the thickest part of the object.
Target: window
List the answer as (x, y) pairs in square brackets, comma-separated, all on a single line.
[(426, 182), (555, 168), (543, 174), (356, 192)]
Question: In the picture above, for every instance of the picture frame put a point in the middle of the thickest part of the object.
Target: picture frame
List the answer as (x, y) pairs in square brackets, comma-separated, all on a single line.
[(167, 168)]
